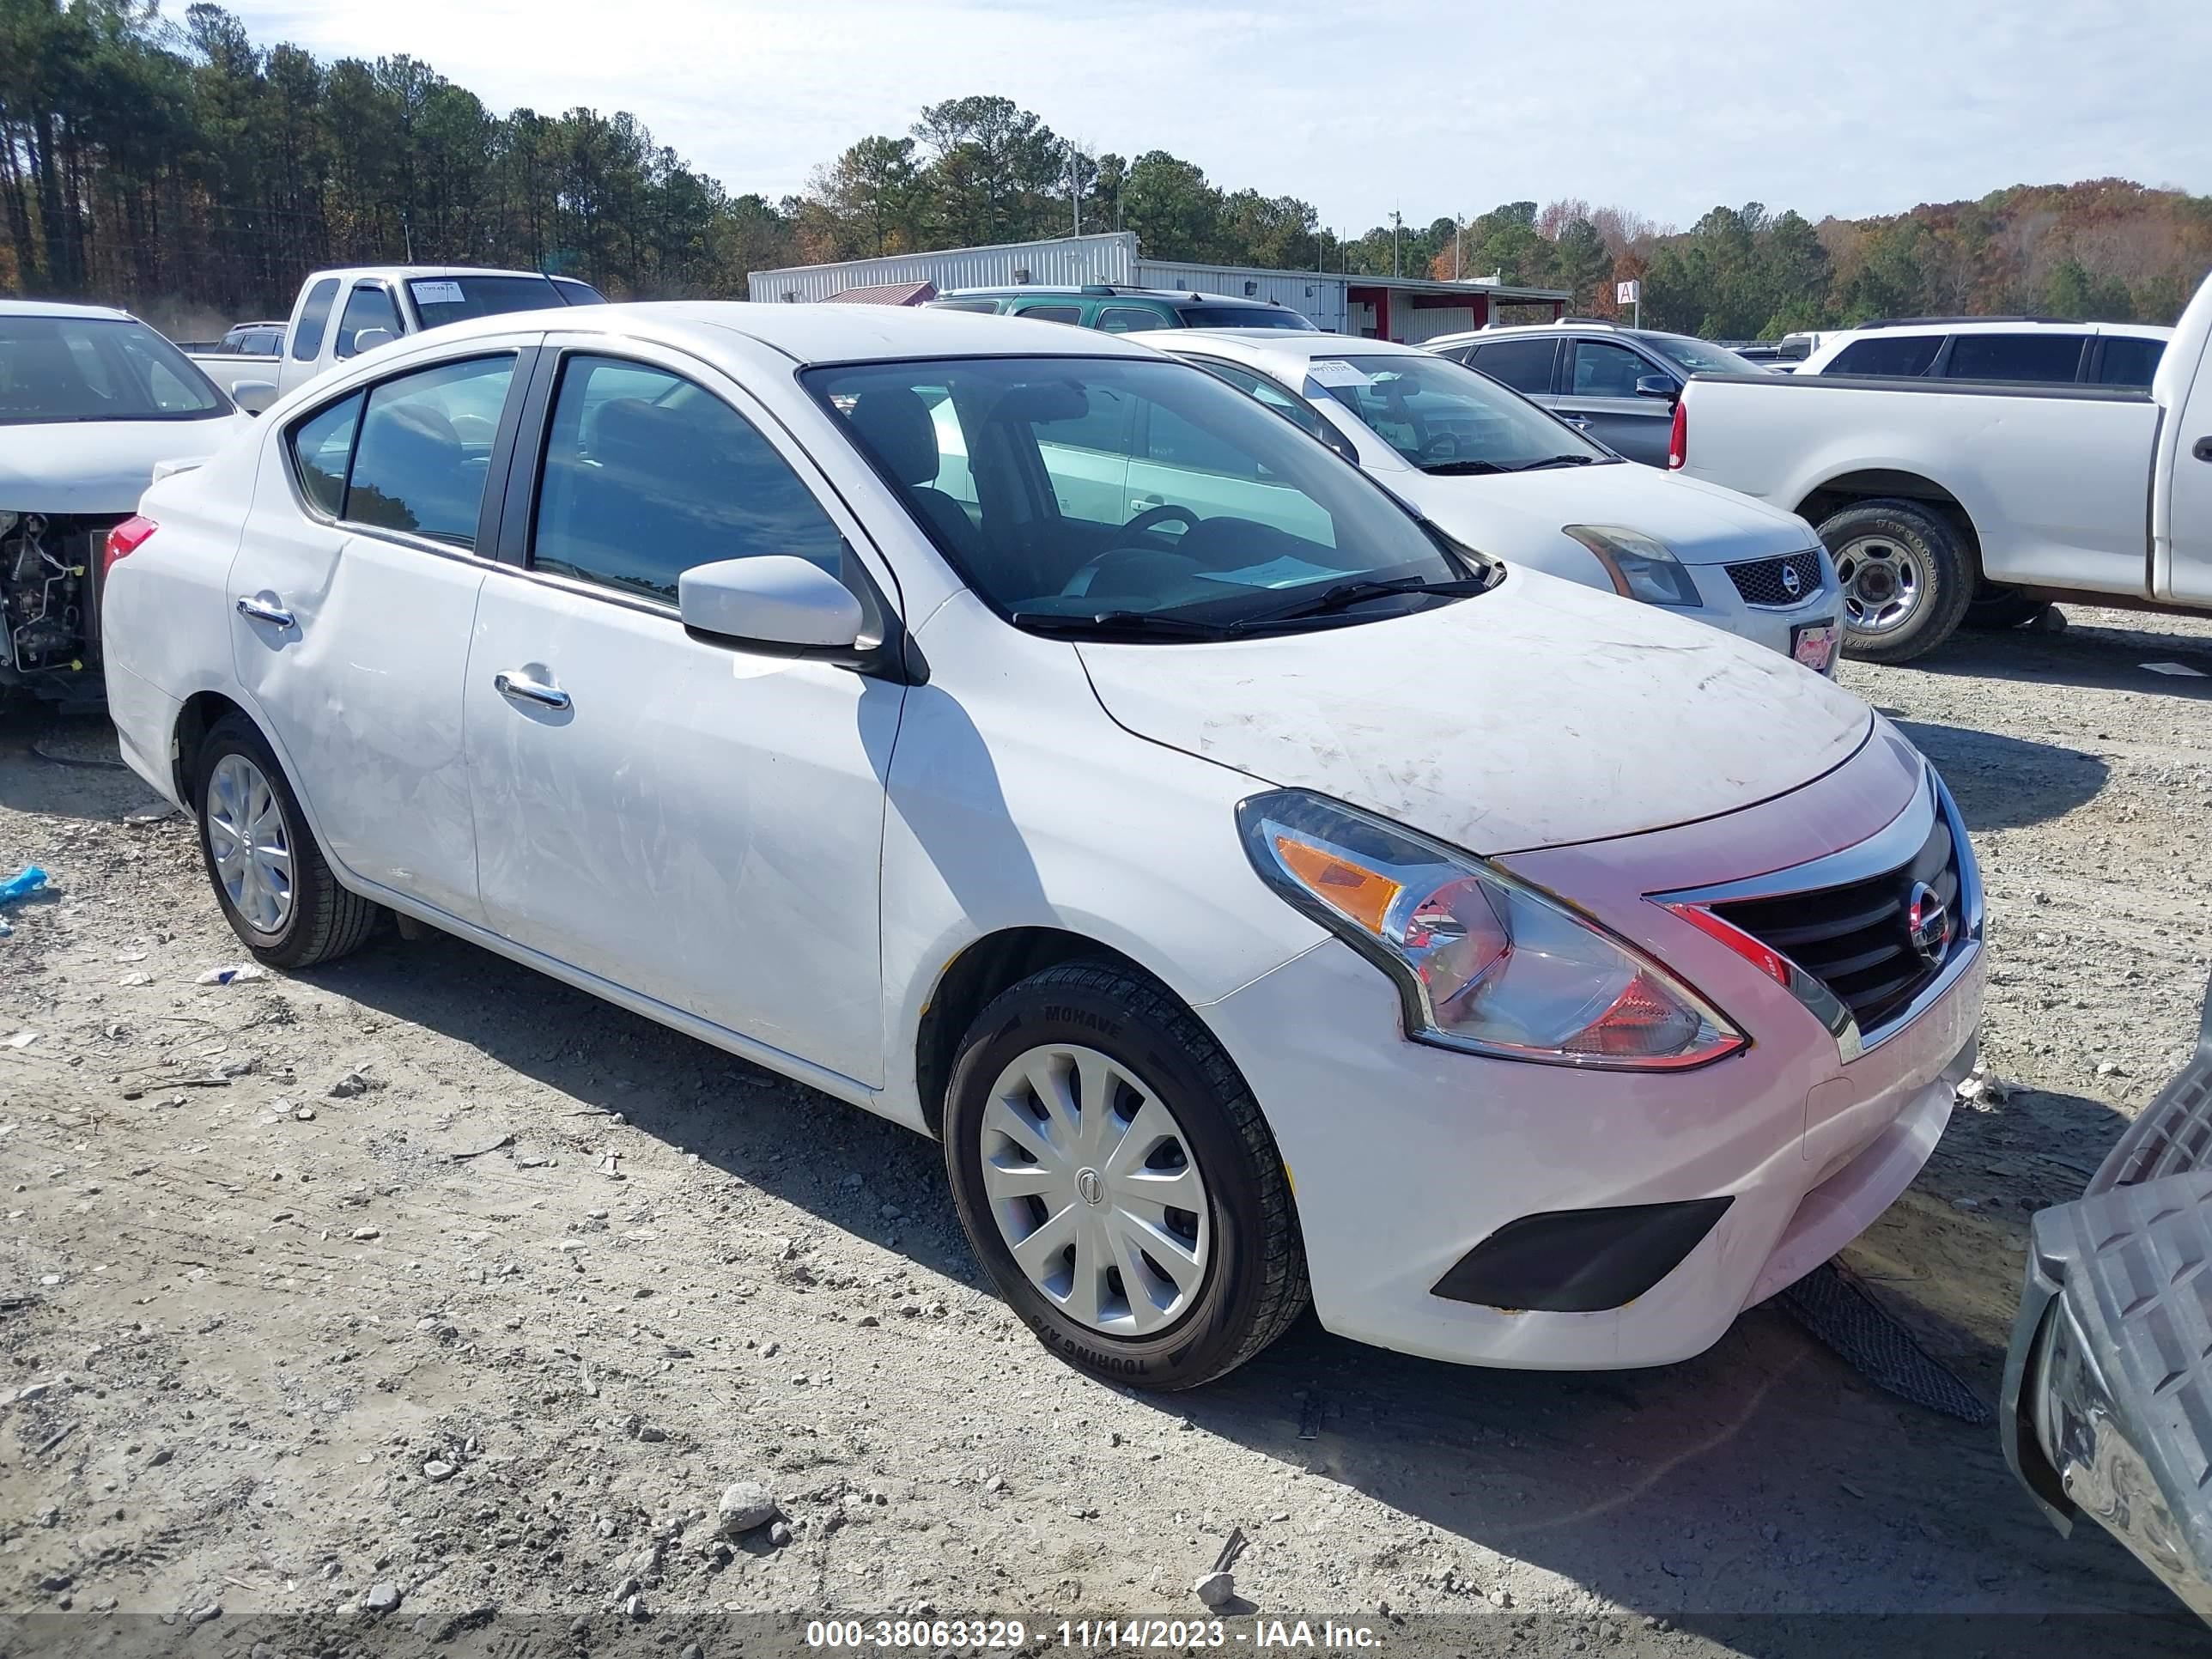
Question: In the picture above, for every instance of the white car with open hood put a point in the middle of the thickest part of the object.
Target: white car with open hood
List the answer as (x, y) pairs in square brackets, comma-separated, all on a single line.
[(1256, 898), (1496, 472), (91, 401)]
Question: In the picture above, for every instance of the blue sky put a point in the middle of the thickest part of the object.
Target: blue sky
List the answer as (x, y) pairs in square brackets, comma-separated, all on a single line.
[(1863, 106)]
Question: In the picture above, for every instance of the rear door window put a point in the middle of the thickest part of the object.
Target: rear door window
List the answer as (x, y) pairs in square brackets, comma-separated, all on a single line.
[(315, 316), (424, 449), (1890, 356), (322, 449), (2034, 357), (1524, 365)]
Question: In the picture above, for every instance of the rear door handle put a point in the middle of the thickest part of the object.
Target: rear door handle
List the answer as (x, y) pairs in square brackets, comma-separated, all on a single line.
[(2203, 450), (266, 611), (529, 690)]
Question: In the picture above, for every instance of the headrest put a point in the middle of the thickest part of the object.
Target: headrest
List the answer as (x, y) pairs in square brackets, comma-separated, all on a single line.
[(895, 422)]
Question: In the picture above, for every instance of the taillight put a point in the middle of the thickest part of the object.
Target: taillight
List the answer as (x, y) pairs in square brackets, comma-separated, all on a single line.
[(1678, 439), (124, 540)]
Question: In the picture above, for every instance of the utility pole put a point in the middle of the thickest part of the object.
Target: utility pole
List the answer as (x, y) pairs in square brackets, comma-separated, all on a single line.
[(1074, 188), (1397, 265), (1459, 250)]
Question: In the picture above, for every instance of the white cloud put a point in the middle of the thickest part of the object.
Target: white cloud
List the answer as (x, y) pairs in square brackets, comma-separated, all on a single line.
[(1428, 108)]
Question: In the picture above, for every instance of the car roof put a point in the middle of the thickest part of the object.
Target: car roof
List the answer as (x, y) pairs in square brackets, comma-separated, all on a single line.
[(1282, 347), (811, 334), (409, 273), (1999, 325), (1106, 291), (60, 308)]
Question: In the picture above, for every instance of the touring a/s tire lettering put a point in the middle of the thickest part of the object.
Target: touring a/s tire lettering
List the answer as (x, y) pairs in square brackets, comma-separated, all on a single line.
[(1086, 1087)]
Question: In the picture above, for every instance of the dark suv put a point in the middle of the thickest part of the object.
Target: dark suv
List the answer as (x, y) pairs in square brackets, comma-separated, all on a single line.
[(1617, 384), (1124, 310)]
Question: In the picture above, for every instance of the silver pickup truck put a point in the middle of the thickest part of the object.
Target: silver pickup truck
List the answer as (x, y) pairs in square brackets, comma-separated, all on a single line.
[(342, 314), (1949, 501)]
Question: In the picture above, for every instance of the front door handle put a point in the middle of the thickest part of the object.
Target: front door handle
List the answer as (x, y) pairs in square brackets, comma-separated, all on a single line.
[(2203, 450), (529, 690), (1147, 503), (261, 609)]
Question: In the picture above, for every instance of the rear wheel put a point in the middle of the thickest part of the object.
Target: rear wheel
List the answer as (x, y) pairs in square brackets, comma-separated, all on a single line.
[(1905, 578), (1997, 607), (1117, 1179), (269, 877)]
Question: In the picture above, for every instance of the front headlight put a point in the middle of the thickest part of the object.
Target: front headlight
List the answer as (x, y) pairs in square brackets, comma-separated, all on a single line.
[(1641, 565), (1482, 962)]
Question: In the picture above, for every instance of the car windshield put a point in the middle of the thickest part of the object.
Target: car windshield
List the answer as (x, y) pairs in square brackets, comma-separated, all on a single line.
[(1446, 418), (1246, 317), (56, 370), (442, 299), (1134, 498), (1696, 357)]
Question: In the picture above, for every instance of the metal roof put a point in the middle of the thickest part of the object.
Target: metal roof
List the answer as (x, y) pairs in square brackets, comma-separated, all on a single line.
[(885, 294)]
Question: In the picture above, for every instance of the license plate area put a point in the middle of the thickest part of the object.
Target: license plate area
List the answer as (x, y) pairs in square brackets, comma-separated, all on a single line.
[(1814, 645)]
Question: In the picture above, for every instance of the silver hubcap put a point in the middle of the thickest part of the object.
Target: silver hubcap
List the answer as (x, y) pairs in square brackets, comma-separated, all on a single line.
[(251, 846), (1882, 581), (1095, 1190)]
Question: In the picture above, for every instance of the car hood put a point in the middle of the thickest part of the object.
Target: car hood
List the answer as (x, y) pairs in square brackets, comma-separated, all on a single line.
[(1537, 715), (99, 466), (1519, 514)]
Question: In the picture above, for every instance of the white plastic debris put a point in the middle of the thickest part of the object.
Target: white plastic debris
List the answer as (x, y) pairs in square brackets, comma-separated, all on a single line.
[(231, 973)]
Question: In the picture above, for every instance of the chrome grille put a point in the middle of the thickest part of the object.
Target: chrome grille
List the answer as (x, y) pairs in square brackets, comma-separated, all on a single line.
[(1856, 938)]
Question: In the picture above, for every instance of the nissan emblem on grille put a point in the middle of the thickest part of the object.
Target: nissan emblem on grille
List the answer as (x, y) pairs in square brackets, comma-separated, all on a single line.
[(1927, 924), (1792, 584)]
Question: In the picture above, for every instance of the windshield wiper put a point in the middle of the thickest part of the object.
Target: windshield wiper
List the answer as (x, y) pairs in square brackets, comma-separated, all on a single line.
[(1343, 595), (1460, 469), (1117, 622), (1559, 460)]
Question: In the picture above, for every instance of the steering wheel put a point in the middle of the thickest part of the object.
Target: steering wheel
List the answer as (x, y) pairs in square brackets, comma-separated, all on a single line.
[(1153, 517)]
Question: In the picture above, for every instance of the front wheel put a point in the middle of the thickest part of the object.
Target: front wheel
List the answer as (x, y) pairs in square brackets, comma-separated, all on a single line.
[(269, 877), (1117, 1179), (1904, 574)]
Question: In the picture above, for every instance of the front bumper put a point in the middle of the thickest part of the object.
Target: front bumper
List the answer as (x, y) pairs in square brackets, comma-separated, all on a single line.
[(1775, 627), (1405, 1157), (2107, 1406)]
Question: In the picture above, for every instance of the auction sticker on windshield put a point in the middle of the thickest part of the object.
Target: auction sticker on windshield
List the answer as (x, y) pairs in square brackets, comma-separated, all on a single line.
[(436, 293), (1334, 371)]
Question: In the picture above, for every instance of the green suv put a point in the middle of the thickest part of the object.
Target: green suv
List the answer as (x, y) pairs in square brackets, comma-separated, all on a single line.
[(1124, 310)]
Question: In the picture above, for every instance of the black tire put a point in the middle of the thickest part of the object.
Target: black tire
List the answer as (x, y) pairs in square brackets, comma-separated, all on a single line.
[(1996, 608), (325, 920), (1255, 1285), (1946, 590)]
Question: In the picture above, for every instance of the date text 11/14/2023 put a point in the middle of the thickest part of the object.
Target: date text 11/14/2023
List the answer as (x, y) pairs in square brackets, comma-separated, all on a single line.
[(1102, 1635)]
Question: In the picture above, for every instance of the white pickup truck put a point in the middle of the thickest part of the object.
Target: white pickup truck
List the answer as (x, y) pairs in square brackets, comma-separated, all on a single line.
[(1951, 501), (342, 314)]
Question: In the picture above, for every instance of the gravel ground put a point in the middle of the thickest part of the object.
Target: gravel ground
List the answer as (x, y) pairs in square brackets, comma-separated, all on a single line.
[(419, 1276)]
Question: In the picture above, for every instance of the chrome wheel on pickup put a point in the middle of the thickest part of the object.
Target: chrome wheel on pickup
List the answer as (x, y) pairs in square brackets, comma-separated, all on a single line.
[(1882, 583), (1906, 577)]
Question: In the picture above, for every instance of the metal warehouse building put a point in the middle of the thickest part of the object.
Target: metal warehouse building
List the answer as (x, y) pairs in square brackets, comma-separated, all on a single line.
[(1407, 309)]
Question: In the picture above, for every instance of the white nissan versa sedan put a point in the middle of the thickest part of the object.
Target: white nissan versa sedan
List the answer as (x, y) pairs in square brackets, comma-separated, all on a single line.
[(1252, 900)]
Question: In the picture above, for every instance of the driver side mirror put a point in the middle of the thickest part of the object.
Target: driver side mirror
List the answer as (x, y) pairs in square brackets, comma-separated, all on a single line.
[(368, 339), (1661, 387), (253, 396), (774, 600)]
